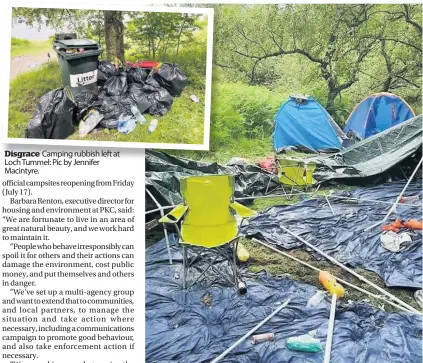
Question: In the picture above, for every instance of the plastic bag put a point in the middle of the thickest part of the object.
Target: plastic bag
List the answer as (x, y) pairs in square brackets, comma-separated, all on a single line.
[(126, 124), (54, 117), (151, 85), (84, 101), (112, 108), (137, 75), (139, 97), (116, 85), (90, 123), (105, 71), (161, 102), (172, 78)]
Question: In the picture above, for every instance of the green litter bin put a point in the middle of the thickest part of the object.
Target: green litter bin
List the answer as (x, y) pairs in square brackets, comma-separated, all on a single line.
[(78, 62)]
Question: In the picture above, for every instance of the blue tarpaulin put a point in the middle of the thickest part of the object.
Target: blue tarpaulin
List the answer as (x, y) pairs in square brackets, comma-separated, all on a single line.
[(342, 235), (305, 126), (377, 113), (195, 326)]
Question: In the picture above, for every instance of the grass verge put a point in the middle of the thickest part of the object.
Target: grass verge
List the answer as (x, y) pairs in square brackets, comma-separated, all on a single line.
[(20, 47)]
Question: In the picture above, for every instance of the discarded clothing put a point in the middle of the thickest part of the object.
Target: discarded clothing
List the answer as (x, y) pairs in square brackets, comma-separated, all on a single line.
[(342, 235), (182, 328), (395, 242)]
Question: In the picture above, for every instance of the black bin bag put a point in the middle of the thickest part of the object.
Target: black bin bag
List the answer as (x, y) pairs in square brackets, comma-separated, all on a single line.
[(169, 76), (136, 75), (54, 117), (105, 71), (139, 97), (161, 102), (112, 107), (84, 102), (116, 85)]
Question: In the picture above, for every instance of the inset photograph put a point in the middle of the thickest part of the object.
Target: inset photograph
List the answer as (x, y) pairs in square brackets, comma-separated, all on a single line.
[(140, 78)]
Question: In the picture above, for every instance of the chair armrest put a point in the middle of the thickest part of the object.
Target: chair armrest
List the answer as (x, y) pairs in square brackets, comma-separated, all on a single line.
[(175, 215), (242, 210)]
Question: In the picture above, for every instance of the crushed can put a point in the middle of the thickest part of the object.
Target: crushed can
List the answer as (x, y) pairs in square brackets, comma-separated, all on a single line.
[(259, 338)]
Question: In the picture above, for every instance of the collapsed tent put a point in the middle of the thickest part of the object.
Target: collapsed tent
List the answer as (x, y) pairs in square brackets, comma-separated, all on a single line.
[(377, 113), (342, 235), (195, 326), (302, 123), (163, 172), (374, 155)]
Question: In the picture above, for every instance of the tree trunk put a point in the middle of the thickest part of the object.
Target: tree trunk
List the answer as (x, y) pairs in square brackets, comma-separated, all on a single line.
[(113, 24)]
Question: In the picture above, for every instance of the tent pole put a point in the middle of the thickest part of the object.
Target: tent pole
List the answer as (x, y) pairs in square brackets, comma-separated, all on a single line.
[(346, 283), (336, 262), (391, 210), (164, 225), (159, 209)]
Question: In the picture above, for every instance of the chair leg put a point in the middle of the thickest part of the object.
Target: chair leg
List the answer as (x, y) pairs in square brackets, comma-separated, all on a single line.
[(167, 244), (184, 266), (235, 248)]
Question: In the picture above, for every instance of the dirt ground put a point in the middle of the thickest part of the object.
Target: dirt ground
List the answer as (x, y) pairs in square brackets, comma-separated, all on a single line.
[(25, 63)]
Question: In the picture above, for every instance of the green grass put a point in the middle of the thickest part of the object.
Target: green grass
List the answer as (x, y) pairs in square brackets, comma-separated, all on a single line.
[(183, 124), (21, 47), (24, 92)]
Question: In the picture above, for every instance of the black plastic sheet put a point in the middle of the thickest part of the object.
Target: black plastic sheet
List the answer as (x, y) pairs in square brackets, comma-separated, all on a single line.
[(182, 329), (54, 117), (163, 172), (374, 155), (342, 235), (170, 77)]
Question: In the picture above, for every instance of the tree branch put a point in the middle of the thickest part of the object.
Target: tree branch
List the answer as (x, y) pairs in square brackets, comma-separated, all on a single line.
[(410, 21)]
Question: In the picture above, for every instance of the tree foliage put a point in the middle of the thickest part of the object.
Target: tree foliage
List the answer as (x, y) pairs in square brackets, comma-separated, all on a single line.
[(252, 43)]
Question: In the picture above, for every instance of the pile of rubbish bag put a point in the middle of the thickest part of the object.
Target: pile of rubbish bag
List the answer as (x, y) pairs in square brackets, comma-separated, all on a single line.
[(196, 326), (119, 90)]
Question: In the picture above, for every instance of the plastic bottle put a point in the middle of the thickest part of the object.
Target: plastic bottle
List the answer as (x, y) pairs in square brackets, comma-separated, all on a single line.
[(242, 253), (316, 299), (304, 343), (138, 116), (153, 125)]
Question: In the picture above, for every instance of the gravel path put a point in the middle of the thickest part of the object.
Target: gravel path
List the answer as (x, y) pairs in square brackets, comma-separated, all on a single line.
[(24, 63)]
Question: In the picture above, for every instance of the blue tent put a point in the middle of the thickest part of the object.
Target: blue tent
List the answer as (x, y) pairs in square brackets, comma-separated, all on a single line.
[(377, 113), (304, 124)]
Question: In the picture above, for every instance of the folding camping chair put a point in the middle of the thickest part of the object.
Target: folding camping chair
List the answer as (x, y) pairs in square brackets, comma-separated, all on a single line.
[(208, 224), (294, 173)]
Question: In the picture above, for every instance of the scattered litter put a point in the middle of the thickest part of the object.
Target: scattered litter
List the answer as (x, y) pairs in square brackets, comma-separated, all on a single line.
[(237, 161), (194, 98), (259, 338), (316, 299), (93, 119), (410, 199), (207, 299), (138, 116), (304, 343), (153, 125), (242, 253), (395, 242), (126, 124)]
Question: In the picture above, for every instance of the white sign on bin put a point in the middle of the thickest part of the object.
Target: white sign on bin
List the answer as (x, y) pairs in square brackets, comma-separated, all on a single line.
[(82, 79)]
